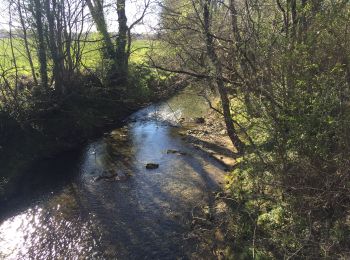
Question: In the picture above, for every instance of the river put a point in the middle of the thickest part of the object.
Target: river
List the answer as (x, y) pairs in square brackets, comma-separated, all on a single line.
[(63, 212)]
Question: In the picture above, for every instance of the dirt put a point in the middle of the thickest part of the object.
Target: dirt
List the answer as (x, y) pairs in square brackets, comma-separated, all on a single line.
[(211, 224), (211, 137)]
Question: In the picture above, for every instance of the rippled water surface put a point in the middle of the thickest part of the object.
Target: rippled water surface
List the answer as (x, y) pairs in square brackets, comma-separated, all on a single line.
[(64, 212)]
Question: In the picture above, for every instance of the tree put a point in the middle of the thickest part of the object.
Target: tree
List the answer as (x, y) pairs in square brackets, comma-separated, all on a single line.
[(121, 52), (282, 73), (117, 53), (187, 28), (97, 12), (37, 14)]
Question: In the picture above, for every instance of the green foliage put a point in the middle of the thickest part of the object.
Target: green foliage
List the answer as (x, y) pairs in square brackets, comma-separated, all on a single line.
[(146, 83), (298, 197), (140, 80)]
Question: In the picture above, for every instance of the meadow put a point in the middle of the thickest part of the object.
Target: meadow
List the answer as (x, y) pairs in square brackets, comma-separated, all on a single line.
[(15, 59)]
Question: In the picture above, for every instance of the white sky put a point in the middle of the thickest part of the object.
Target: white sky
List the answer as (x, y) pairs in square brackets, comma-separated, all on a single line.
[(134, 9)]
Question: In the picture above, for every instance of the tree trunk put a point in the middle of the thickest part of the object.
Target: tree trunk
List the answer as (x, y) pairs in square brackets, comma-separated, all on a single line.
[(303, 22), (53, 45), (41, 43), (219, 81), (98, 16), (26, 43), (121, 55)]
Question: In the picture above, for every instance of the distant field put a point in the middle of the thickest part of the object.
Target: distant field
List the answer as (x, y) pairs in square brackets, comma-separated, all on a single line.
[(91, 57)]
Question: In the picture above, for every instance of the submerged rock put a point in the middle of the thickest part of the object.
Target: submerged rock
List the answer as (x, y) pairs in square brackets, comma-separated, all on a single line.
[(106, 177), (152, 166), (199, 120), (170, 151), (223, 132)]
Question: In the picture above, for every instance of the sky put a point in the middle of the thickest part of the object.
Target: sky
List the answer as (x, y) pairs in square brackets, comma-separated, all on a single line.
[(134, 9)]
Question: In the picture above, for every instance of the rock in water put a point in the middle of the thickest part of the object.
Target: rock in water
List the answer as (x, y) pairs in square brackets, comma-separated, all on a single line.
[(170, 151), (199, 120), (152, 166), (106, 177), (223, 132)]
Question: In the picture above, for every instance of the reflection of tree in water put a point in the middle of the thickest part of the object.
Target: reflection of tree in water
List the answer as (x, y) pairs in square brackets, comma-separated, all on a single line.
[(117, 157), (59, 229)]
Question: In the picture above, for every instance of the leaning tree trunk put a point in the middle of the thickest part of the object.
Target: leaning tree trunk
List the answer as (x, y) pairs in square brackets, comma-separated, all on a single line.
[(236, 141), (96, 10)]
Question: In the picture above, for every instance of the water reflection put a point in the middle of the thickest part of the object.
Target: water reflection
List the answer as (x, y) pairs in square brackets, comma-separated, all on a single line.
[(49, 232), (138, 214)]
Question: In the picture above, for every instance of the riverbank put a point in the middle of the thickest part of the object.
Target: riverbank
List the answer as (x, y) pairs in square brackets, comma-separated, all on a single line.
[(211, 225), (210, 136)]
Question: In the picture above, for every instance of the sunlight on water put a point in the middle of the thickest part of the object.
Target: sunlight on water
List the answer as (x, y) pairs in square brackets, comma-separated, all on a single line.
[(12, 238), (45, 234), (138, 213)]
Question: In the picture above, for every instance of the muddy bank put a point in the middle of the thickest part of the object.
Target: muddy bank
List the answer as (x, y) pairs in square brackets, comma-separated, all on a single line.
[(208, 133)]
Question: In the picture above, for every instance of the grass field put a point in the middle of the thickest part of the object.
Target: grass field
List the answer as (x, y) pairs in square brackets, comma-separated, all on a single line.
[(91, 55)]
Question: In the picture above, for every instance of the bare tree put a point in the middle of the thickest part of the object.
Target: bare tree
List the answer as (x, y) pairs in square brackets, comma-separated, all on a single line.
[(117, 53)]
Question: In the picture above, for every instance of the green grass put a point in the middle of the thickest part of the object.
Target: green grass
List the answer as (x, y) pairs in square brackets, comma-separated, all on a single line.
[(7, 63), (91, 57), (139, 50)]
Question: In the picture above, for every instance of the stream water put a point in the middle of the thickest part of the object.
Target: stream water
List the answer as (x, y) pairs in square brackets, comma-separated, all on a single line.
[(63, 212)]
